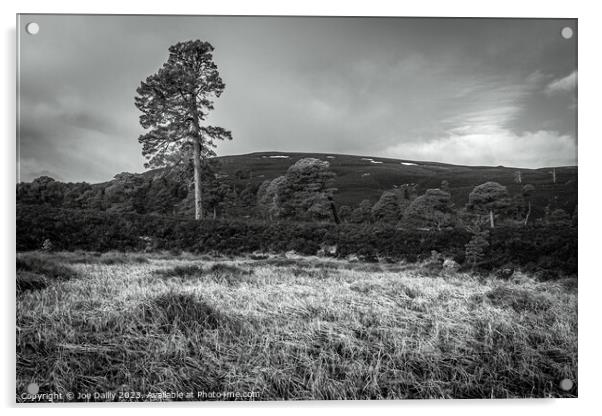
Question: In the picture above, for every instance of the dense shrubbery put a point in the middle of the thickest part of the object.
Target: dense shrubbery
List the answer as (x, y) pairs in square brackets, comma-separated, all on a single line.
[(550, 248)]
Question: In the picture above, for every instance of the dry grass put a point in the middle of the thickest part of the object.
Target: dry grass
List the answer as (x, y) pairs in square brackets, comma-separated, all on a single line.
[(300, 328)]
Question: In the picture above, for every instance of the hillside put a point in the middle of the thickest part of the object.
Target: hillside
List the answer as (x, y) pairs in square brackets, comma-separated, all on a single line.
[(364, 177), (357, 178)]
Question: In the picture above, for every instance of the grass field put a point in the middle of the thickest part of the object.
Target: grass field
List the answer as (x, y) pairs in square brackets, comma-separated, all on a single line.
[(150, 327)]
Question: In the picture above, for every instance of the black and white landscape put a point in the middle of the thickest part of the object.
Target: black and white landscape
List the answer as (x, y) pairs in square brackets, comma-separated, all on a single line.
[(280, 208)]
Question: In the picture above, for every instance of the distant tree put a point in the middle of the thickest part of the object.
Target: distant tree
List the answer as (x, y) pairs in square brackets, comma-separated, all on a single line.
[(126, 193), (433, 209), (216, 195), (558, 217), (242, 174), (95, 199), (262, 199), (345, 213), (362, 214), (305, 191), (476, 248), (518, 176), (310, 188), (488, 198), (43, 190), (168, 191), (387, 208), (444, 186), (248, 195), (409, 191), (321, 210), (174, 101), (271, 198), (77, 195)]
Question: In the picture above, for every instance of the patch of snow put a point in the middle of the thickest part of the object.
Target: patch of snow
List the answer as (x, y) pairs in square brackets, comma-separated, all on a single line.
[(369, 159), (365, 174), (279, 157), (409, 164), (330, 157)]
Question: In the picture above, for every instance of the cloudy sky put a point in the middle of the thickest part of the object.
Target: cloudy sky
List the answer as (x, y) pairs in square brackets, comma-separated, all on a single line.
[(464, 91)]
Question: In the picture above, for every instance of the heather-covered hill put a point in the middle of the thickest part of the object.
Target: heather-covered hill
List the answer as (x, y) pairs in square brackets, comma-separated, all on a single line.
[(357, 178), (365, 177)]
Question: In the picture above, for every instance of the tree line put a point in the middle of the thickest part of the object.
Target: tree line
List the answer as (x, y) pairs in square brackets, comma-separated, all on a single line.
[(305, 192)]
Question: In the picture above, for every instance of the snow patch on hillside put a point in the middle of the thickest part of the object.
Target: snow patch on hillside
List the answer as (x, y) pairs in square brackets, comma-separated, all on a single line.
[(409, 164), (369, 159), (279, 157)]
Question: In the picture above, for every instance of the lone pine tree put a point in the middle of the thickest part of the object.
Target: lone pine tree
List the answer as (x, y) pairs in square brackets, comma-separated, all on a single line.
[(174, 102)]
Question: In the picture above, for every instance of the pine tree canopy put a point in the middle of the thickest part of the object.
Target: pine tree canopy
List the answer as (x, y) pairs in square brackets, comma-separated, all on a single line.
[(175, 100)]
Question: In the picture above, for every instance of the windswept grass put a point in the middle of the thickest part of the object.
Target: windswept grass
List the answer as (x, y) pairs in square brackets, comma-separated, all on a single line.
[(93, 257), (185, 271), (35, 272), (294, 329), (521, 300)]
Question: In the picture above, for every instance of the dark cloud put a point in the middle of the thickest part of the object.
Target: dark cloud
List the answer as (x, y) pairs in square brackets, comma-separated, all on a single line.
[(478, 91)]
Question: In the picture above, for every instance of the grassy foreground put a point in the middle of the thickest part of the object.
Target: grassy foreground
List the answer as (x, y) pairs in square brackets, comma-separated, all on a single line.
[(94, 327)]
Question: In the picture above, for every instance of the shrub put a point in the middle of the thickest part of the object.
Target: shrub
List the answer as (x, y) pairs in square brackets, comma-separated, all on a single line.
[(101, 231), (476, 248), (47, 245)]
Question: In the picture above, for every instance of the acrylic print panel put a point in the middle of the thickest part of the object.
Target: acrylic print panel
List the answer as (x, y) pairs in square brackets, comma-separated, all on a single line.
[(295, 208)]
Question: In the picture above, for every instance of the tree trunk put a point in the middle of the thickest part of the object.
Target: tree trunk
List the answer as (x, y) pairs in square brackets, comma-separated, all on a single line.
[(528, 214), (333, 208), (198, 203), (214, 213), (491, 224)]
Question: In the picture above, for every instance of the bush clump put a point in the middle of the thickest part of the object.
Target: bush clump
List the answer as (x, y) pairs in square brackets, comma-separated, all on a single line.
[(553, 247)]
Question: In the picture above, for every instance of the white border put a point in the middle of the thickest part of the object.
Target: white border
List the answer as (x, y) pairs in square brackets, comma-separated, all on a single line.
[(590, 111)]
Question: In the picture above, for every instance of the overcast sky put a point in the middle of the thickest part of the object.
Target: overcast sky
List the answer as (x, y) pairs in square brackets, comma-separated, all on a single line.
[(463, 91)]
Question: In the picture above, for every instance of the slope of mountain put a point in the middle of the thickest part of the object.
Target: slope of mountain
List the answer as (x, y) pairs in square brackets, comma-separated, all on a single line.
[(364, 177)]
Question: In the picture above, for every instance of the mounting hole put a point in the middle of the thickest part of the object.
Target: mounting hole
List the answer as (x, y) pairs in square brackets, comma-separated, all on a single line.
[(33, 388), (567, 32), (566, 384), (32, 28)]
